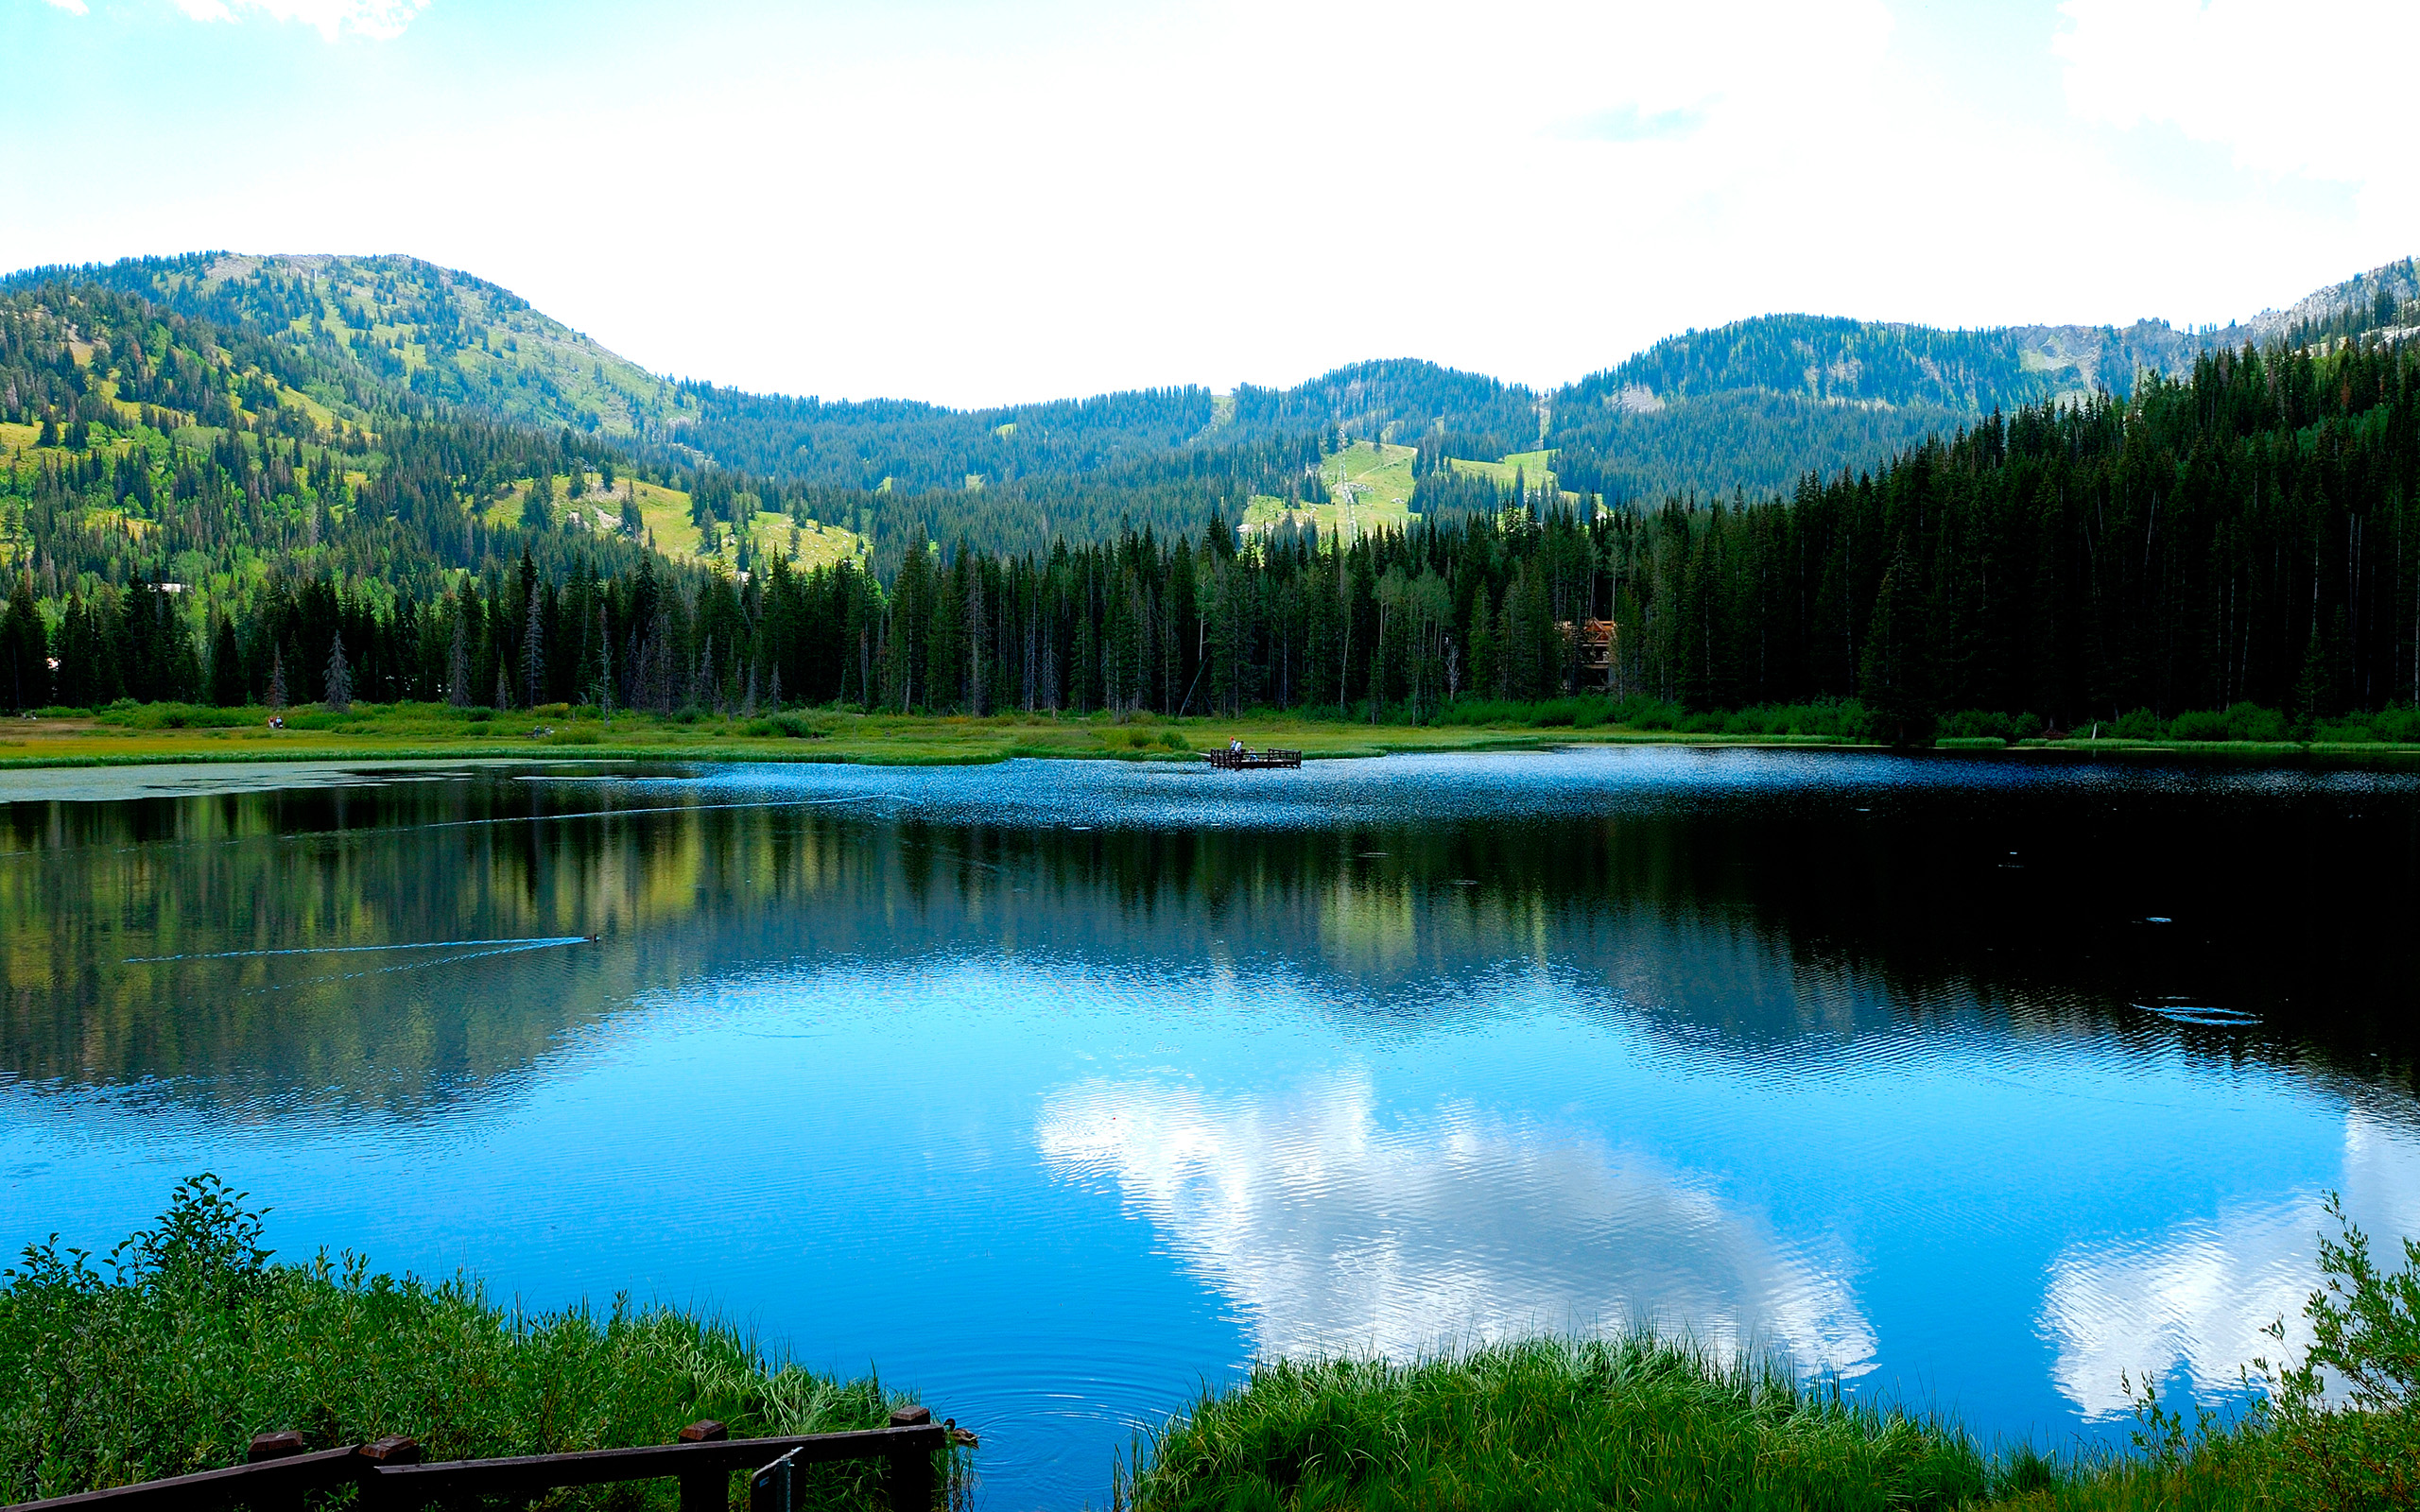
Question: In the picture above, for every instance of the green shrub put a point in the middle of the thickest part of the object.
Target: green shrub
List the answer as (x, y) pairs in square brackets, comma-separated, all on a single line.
[(2242, 721), (2401, 725), (1830, 718), (1968, 723), (195, 1340), (2362, 1448), (177, 716), (2139, 724)]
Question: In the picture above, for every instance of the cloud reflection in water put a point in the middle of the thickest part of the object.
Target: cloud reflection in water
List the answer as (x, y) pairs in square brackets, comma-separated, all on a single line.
[(2190, 1301), (1336, 1229)]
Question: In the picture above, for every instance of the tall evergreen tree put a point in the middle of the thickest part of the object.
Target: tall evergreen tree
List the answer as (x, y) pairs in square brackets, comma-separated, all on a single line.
[(337, 687), (24, 648)]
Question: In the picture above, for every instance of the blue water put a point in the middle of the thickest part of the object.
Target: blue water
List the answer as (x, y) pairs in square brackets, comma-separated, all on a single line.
[(1059, 1090)]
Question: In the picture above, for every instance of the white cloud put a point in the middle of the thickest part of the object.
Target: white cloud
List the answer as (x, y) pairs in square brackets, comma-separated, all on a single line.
[(74, 8), (1337, 1231), (1009, 201), (381, 19), (2290, 87), (2191, 1302)]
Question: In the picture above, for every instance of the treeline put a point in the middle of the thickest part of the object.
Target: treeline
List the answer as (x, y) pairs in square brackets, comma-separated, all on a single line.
[(915, 447), (1398, 400), (2248, 537)]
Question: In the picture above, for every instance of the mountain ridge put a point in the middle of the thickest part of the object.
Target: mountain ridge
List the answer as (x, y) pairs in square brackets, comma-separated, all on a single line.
[(1794, 393)]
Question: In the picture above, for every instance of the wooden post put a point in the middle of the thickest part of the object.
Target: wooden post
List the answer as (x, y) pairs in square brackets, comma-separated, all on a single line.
[(395, 1449), (705, 1491), (278, 1445), (911, 1470)]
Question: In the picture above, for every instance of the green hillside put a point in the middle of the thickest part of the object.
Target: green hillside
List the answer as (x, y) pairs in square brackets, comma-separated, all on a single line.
[(398, 325), (1748, 408)]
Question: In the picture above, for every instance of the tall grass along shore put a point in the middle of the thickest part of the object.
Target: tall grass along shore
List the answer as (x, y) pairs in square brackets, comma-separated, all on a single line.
[(194, 1339), (1653, 1425), (171, 1352)]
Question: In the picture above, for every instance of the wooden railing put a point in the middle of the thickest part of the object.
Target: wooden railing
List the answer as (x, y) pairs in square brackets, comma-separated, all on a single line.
[(280, 1473), (1236, 759)]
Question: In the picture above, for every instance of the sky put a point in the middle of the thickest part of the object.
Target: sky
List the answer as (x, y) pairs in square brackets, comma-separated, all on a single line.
[(981, 201)]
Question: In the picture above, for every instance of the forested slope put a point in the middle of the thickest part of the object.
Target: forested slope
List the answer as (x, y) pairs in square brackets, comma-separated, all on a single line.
[(2248, 535), (197, 509), (1751, 406)]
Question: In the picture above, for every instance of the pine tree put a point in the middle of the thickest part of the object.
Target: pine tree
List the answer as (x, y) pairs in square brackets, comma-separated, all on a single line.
[(458, 666), (604, 659), (338, 695), (1486, 678), (1891, 675), (533, 656), (503, 688), (24, 649), (277, 680), (226, 667)]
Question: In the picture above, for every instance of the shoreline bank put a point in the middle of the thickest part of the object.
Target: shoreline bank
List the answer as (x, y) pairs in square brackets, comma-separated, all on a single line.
[(148, 737)]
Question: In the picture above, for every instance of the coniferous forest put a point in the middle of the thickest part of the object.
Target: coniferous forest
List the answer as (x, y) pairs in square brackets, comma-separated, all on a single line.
[(206, 517)]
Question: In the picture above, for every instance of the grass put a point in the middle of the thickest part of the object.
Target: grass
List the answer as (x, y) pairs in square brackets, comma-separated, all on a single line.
[(1634, 1423), (665, 514), (173, 732), (167, 1357), (150, 733), (1370, 489), (1650, 1424), (1535, 467)]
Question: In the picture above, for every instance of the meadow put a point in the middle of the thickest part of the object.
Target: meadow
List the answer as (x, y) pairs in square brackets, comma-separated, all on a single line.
[(1370, 490), (145, 733), (664, 516)]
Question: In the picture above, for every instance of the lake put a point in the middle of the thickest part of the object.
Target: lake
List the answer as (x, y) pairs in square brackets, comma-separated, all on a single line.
[(1059, 1089)]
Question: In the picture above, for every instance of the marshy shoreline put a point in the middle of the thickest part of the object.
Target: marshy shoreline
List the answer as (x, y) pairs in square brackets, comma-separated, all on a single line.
[(157, 734)]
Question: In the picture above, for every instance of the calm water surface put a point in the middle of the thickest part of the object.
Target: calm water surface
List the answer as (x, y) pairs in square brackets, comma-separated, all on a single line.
[(1058, 1089)]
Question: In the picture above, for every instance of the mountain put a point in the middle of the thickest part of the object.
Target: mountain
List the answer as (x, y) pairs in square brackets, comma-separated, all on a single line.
[(399, 325), (1750, 407), (1757, 405), (2385, 300)]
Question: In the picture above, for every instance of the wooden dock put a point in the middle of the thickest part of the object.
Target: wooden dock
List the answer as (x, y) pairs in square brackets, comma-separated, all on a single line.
[(1252, 761)]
